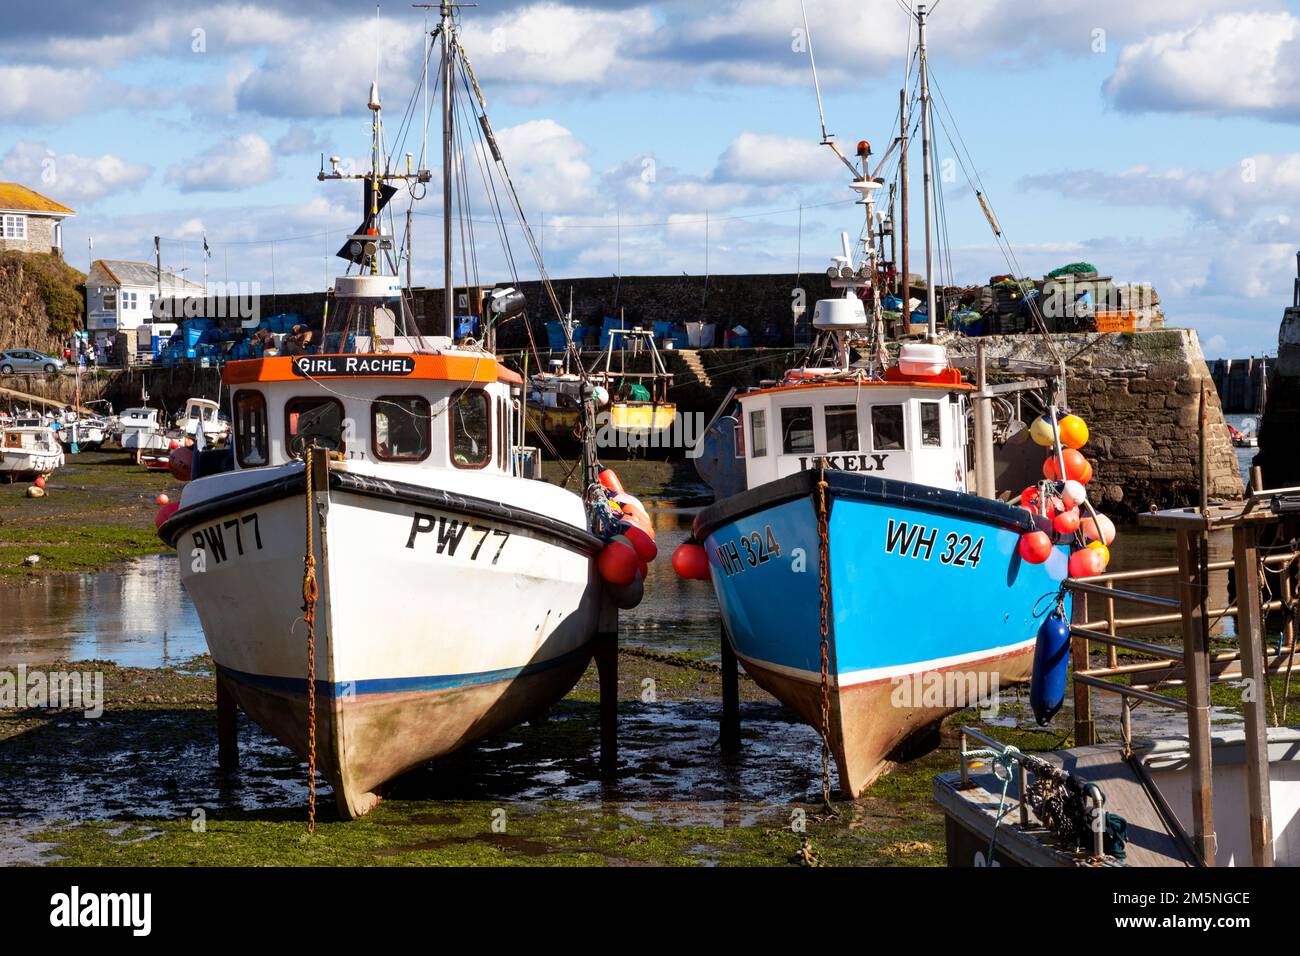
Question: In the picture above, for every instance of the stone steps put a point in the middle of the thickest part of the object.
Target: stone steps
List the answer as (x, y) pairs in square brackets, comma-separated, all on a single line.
[(691, 359)]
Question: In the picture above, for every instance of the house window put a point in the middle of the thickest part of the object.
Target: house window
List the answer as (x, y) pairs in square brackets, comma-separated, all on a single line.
[(471, 428), (14, 227), (841, 428), (887, 428), (758, 433), (931, 429), (400, 427), (797, 430), (250, 429), (313, 419), (129, 300), (110, 301)]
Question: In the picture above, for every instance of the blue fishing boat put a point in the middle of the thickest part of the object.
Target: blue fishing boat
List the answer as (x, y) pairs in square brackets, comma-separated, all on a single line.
[(919, 590), (866, 573)]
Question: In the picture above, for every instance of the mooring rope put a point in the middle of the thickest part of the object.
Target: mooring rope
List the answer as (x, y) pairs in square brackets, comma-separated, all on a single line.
[(823, 571), (310, 591), (1006, 759)]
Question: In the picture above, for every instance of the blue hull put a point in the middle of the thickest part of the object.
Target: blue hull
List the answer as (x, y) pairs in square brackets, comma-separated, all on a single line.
[(921, 582)]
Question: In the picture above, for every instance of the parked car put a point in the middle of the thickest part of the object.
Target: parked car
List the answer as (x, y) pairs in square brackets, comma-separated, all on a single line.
[(26, 360)]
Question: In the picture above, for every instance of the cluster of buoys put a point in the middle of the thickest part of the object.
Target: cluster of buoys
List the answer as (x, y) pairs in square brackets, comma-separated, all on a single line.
[(37, 488), (630, 546), (1059, 503)]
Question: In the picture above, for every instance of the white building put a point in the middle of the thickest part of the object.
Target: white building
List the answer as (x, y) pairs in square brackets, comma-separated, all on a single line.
[(120, 295)]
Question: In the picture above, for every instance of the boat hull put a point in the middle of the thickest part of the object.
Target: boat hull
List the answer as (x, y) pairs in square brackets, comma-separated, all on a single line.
[(18, 464), (439, 620), (917, 628)]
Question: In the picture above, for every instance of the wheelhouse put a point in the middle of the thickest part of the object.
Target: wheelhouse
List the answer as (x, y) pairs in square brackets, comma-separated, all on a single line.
[(146, 418), (200, 410), (909, 431), (453, 409)]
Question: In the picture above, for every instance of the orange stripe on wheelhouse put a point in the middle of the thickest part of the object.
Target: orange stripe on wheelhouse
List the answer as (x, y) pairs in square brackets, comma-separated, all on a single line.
[(446, 368)]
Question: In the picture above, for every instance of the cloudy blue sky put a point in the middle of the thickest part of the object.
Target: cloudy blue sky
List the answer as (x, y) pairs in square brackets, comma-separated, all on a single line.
[(1154, 139)]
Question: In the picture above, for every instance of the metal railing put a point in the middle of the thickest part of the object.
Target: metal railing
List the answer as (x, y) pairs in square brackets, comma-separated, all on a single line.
[(1192, 664)]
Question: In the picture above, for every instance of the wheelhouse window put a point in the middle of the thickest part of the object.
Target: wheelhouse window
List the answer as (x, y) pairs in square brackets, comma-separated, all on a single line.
[(887, 428), (931, 429), (797, 430), (308, 420), (758, 433), (400, 428), (841, 428), (471, 428), (250, 429)]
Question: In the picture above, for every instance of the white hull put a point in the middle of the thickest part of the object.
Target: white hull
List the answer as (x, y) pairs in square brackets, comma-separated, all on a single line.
[(18, 463), (417, 652), (84, 436), (139, 440)]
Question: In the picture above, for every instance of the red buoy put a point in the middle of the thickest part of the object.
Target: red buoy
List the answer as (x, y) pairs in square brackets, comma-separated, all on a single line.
[(1086, 562), (691, 561), (181, 464), (1076, 467), (40, 481), (1035, 547), (609, 479), (165, 512), (618, 562), (646, 548), (1067, 522)]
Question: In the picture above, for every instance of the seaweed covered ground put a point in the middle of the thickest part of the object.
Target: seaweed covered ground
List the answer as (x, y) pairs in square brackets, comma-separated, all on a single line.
[(97, 512), (139, 786)]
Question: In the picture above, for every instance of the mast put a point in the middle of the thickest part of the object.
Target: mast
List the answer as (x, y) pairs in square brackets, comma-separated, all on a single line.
[(448, 310), (905, 280), (927, 162)]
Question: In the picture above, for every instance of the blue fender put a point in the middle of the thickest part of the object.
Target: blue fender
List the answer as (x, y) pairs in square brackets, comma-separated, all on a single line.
[(1051, 667)]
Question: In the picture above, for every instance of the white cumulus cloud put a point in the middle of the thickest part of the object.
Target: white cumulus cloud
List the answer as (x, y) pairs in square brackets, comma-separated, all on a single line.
[(68, 177), (1233, 63), (32, 94), (229, 165)]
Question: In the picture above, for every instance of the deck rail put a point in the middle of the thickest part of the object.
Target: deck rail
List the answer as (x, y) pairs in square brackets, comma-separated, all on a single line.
[(1256, 573)]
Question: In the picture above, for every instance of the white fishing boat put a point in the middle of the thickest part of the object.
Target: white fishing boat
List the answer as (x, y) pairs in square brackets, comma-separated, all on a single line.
[(206, 414), (141, 431), (29, 451), (449, 597)]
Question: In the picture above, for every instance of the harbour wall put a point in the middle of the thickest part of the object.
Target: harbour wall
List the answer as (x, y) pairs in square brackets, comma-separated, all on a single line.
[(1139, 394), (1240, 382), (1279, 449), (1137, 391)]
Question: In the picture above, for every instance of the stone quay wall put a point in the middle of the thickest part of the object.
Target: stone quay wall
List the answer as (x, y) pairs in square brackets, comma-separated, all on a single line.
[(1139, 394)]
